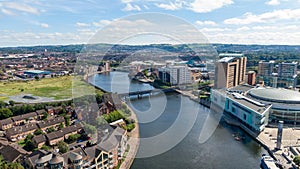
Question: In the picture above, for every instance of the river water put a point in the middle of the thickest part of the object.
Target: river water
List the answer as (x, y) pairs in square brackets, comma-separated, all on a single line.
[(220, 151)]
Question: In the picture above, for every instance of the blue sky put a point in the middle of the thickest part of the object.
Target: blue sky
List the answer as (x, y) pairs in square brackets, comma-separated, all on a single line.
[(42, 22)]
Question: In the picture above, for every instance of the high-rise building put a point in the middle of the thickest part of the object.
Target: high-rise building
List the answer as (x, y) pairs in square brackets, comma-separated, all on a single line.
[(266, 68), (281, 75), (175, 75), (287, 69), (230, 70), (251, 78)]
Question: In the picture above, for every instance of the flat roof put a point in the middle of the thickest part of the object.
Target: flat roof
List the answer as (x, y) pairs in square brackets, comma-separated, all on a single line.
[(231, 55), (226, 59), (249, 103)]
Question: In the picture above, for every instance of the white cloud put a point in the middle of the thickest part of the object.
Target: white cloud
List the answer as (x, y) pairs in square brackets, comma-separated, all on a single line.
[(213, 30), (244, 28), (146, 7), (203, 6), (130, 7), (7, 12), (20, 7), (249, 18), (101, 23), (44, 25), (126, 1), (81, 24), (209, 23), (199, 6), (171, 6), (273, 2)]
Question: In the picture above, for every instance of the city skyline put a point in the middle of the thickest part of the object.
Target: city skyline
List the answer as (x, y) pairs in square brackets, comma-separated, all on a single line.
[(33, 22)]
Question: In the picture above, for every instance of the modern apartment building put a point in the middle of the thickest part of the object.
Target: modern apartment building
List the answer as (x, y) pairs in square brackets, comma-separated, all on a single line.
[(281, 75), (230, 70), (175, 75)]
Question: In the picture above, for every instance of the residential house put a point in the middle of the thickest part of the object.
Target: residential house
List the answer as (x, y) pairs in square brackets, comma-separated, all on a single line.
[(6, 124), (22, 119), (44, 125), (12, 153), (39, 140), (73, 129), (40, 114), (53, 110), (20, 132), (55, 137)]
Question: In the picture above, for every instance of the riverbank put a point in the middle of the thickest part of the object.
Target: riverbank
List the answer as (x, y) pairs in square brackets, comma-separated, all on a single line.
[(133, 142)]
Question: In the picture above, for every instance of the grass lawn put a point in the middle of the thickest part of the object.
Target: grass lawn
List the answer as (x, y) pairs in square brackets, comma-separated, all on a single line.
[(58, 88)]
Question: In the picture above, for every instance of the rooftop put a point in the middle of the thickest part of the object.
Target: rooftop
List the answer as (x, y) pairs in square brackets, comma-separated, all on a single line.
[(231, 55), (248, 102), (226, 59), (276, 95)]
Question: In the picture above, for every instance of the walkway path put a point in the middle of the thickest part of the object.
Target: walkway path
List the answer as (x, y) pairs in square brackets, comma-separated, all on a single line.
[(134, 142)]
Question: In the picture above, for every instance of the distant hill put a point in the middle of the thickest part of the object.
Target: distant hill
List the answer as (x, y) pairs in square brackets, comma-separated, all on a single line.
[(253, 52)]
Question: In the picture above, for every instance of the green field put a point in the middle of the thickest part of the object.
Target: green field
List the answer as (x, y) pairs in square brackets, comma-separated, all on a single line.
[(58, 88)]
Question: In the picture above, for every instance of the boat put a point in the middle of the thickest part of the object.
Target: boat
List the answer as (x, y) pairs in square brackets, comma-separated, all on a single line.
[(268, 162)]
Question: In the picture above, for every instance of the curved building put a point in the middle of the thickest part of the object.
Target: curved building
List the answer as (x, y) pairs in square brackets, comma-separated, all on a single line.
[(285, 103)]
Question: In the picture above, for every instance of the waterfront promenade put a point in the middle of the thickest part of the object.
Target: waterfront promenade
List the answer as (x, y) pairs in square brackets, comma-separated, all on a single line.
[(133, 142)]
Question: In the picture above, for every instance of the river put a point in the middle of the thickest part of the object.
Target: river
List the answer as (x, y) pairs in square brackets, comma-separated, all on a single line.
[(220, 151)]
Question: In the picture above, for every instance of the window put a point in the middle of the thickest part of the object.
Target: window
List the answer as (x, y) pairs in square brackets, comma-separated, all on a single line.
[(245, 117)]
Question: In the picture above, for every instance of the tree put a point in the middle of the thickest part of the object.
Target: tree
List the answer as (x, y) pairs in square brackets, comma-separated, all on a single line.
[(45, 116), (61, 125), (67, 120), (100, 120), (74, 137), (63, 147), (50, 130), (89, 129), (5, 113), (296, 160), (38, 132), (29, 146), (11, 102), (44, 147), (2, 104)]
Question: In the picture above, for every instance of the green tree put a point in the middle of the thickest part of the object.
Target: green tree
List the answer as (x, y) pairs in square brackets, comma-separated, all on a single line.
[(50, 130), (29, 146), (11, 102), (74, 137), (45, 116), (2, 104), (89, 129), (100, 120), (67, 120), (5, 113), (44, 147), (296, 160), (38, 132), (63, 147), (61, 125)]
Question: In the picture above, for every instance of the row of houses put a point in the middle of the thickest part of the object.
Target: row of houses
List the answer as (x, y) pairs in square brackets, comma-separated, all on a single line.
[(54, 137), (20, 132), (37, 115)]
